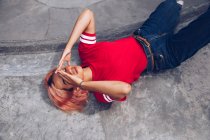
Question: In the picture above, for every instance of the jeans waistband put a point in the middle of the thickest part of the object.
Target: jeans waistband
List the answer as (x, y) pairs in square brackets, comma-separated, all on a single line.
[(148, 51)]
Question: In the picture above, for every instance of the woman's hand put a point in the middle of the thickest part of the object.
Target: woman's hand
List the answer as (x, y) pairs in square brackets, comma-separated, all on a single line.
[(66, 57), (71, 79)]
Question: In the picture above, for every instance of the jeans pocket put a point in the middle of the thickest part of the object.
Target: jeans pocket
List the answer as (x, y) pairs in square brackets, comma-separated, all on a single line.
[(159, 60)]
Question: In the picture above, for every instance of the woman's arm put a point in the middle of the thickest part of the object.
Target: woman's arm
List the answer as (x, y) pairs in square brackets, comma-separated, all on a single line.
[(84, 23), (115, 89)]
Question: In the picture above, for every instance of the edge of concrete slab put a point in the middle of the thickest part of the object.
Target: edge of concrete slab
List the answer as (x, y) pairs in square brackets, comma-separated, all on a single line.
[(57, 44)]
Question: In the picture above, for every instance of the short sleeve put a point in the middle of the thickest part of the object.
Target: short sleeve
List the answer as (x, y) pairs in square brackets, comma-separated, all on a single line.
[(106, 99), (87, 38)]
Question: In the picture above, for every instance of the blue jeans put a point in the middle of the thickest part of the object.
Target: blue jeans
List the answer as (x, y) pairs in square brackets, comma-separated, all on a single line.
[(169, 49)]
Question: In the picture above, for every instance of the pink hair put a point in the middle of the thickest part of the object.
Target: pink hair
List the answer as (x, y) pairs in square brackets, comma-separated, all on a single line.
[(65, 100)]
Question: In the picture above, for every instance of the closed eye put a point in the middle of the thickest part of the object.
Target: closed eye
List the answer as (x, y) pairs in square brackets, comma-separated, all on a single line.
[(64, 82)]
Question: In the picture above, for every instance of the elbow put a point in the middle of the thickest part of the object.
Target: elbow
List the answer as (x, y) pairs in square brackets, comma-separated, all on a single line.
[(126, 89), (88, 12)]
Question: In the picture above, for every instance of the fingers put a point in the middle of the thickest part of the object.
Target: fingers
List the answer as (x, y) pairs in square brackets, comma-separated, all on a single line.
[(71, 70), (68, 58), (63, 74), (65, 57), (69, 62), (59, 65), (67, 77), (74, 71), (73, 79), (68, 70), (64, 77)]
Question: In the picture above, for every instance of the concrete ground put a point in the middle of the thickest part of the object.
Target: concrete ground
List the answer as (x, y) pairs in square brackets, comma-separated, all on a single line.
[(172, 105)]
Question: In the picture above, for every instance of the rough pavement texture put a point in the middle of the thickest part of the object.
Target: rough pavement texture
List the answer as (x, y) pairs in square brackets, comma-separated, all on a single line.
[(173, 105), (53, 19), (28, 26)]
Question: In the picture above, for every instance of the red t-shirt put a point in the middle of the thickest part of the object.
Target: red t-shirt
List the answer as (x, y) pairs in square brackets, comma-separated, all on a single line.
[(121, 60)]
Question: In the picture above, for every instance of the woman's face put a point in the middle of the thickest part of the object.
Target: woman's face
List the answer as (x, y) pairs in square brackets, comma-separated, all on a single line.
[(60, 83)]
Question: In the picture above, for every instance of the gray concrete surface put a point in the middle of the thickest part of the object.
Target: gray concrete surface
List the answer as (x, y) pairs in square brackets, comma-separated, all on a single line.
[(44, 25), (50, 19), (173, 105)]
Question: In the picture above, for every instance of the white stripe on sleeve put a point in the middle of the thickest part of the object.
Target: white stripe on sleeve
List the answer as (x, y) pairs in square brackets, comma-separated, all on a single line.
[(87, 41), (88, 37), (107, 98)]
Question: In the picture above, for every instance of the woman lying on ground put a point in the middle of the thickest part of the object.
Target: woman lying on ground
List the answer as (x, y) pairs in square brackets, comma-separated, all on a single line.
[(109, 68)]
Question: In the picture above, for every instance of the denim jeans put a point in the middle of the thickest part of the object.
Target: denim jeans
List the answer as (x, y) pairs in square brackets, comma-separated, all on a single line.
[(169, 49)]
